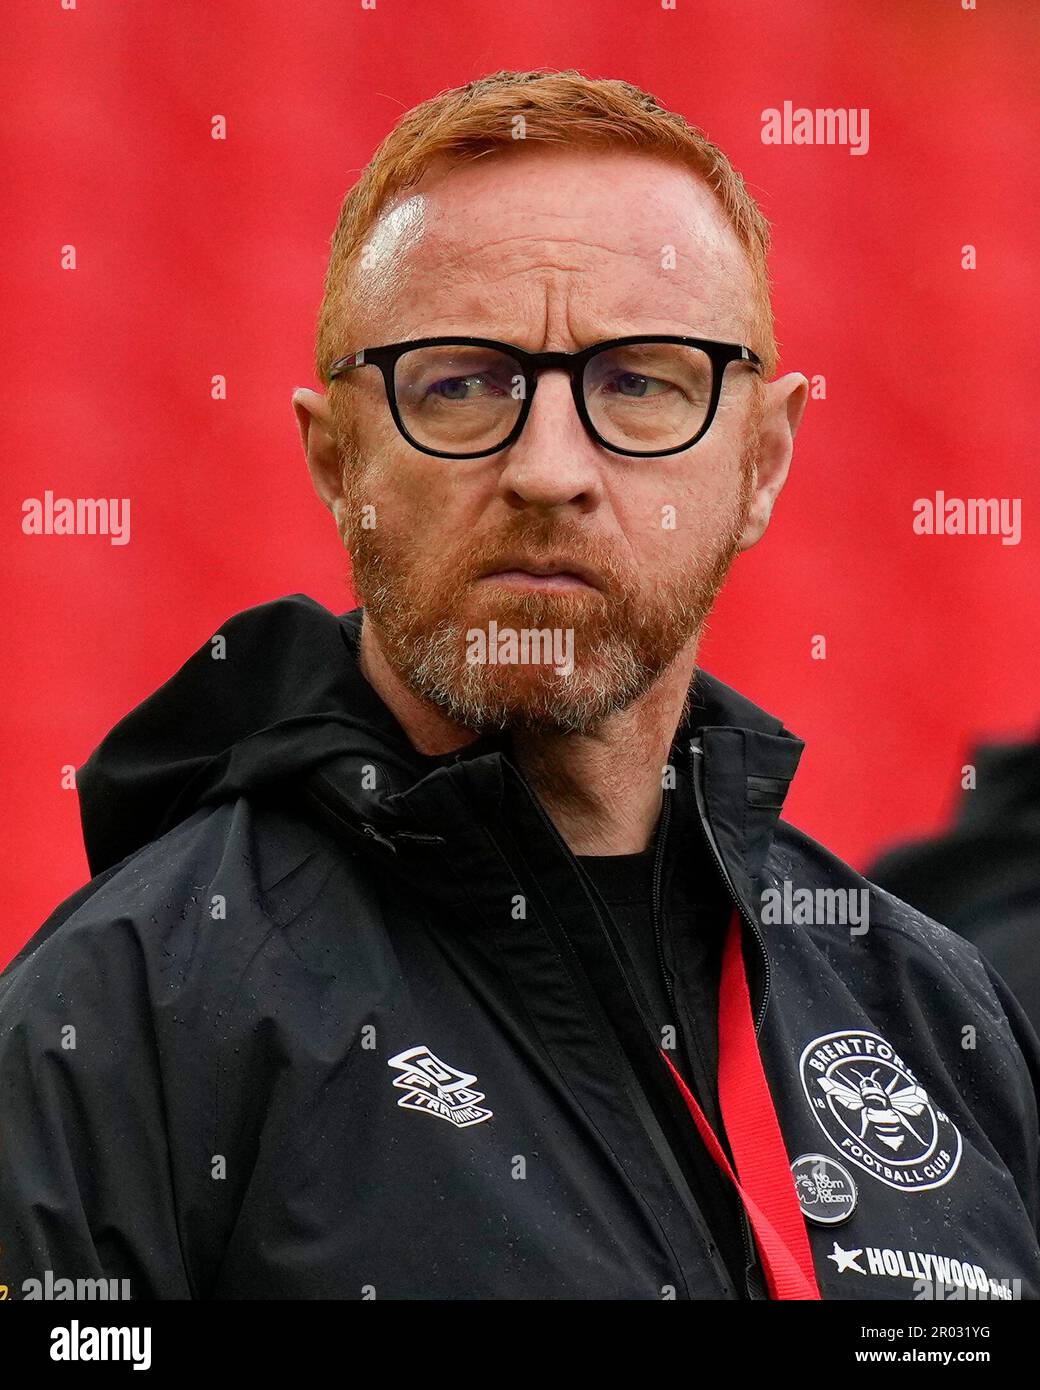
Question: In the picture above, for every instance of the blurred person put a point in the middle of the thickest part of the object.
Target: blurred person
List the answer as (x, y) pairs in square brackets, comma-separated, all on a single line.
[(981, 877)]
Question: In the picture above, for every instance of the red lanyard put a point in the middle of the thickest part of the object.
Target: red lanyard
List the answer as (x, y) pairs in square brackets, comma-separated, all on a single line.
[(765, 1184)]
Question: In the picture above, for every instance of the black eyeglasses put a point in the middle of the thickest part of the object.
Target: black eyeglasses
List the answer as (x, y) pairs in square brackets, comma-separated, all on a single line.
[(465, 398)]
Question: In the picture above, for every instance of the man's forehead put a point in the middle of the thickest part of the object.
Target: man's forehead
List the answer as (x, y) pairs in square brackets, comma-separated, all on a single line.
[(647, 232)]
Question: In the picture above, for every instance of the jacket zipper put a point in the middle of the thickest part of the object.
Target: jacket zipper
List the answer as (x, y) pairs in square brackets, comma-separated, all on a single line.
[(696, 774), (745, 1229), (662, 835)]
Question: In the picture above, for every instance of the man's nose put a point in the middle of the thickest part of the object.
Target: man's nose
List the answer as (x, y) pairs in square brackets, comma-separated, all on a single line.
[(554, 462)]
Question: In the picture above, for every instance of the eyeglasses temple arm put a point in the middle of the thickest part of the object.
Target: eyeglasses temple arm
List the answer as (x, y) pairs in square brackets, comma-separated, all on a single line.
[(346, 364)]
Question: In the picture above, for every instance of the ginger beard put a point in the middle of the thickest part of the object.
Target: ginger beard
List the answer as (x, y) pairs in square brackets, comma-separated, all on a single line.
[(424, 606)]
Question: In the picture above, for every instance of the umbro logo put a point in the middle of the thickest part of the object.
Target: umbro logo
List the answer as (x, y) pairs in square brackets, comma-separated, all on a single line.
[(437, 1088)]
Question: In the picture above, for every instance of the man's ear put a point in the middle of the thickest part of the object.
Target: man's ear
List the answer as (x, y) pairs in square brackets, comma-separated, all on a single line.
[(318, 436), (782, 410)]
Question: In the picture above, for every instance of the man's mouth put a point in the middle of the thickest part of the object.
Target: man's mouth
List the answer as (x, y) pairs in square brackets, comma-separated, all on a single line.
[(559, 574), (523, 579)]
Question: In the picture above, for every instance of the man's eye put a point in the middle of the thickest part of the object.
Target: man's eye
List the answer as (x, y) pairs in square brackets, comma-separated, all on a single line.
[(634, 385), (456, 388)]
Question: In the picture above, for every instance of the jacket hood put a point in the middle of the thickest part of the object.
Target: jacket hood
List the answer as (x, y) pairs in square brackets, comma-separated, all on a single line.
[(276, 701)]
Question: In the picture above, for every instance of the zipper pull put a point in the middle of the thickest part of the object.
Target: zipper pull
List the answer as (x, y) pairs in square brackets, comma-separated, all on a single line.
[(369, 829), (418, 837)]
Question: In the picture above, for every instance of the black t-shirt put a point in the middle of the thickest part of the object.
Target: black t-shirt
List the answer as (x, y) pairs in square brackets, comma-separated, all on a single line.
[(625, 883), (697, 910)]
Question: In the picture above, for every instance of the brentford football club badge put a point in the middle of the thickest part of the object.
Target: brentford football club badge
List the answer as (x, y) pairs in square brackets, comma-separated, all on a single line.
[(876, 1113)]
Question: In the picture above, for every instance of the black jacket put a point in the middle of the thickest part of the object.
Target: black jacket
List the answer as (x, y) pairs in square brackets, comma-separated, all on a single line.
[(982, 877), (333, 1020)]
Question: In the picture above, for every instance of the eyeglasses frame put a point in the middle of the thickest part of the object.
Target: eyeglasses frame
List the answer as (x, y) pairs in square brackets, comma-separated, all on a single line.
[(532, 364)]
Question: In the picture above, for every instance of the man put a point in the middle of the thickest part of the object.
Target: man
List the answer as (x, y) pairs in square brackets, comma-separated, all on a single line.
[(454, 948)]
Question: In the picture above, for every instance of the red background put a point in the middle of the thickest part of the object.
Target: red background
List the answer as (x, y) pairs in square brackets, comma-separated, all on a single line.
[(198, 257)]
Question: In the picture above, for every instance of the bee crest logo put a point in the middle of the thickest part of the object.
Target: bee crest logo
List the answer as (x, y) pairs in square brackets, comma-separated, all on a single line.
[(875, 1112)]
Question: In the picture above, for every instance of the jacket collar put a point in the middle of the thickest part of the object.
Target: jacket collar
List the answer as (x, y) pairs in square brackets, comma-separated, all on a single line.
[(287, 711), (413, 811)]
